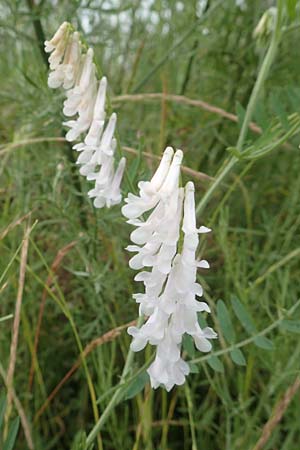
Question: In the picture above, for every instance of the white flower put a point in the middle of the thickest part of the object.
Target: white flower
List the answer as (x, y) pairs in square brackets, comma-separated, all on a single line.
[(81, 100), (170, 287), (107, 187), (156, 237), (85, 106), (65, 73), (57, 38), (97, 149), (148, 190)]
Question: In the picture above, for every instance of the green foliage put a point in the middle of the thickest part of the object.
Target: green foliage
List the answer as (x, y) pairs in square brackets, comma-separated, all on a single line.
[(215, 363), (225, 322), (243, 315), (136, 386), (7, 443)]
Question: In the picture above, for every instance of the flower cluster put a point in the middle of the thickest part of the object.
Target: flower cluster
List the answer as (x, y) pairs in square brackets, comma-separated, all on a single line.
[(169, 298), (75, 71)]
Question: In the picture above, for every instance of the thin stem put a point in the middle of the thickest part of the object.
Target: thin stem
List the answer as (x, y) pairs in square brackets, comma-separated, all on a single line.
[(115, 398), (215, 184), (263, 73), (15, 330), (39, 32), (251, 338), (191, 417)]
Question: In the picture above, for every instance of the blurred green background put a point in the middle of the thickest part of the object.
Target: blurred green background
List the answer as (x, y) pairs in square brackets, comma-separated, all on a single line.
[(201, 50)]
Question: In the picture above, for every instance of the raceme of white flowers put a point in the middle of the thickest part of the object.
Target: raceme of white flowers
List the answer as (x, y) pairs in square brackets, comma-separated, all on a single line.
[(170, 287), (75, 71)]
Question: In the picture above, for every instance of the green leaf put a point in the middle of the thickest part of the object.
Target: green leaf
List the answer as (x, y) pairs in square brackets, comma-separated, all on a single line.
[(240, 112), (2, 408), (12, 434), (235, 152), (225, 322), (238, 357), (188, 345), (291, 325), (263, 342), (137, 385), (277, 106), (215, 363), (291, 7), (202, 321), (274, 136), (243, 316), (79, 442), (261, 116), (193, 368)]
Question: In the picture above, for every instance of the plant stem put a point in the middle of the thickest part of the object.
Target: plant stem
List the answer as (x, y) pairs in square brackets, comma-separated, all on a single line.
[(191, 416), (115, 398), (251, 338), (262, 75)]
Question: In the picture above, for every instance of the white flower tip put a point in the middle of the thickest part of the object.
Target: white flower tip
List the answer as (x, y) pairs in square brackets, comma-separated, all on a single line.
[(76, 36), (90, 53), (203, 264), (204, 229), (122, 163), (103, 81), (169, 152), (113, 117), (190, 187), (178, 156)]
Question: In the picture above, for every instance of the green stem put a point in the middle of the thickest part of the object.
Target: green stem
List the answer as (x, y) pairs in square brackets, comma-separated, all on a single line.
[(263, 73), (215, 184), (250, 339), (115, 398), (189, 401)]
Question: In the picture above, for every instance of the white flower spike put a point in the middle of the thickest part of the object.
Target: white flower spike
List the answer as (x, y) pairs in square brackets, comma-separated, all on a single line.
[(170, 286), (85, 105)]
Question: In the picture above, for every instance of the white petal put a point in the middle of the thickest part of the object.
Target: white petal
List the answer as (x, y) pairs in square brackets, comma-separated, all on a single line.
[(203, 264)]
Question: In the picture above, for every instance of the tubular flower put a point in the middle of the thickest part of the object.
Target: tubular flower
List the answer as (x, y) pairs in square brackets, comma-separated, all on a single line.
[(171, 289), (85, 106)]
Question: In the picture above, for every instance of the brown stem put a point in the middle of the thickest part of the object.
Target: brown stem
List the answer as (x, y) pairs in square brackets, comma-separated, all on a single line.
[(276, 417)]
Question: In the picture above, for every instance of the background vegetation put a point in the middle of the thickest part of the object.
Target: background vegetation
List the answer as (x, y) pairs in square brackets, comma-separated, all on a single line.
[(76, 273)]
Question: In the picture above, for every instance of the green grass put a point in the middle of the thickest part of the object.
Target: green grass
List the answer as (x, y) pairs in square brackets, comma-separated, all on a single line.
[(254, 249)]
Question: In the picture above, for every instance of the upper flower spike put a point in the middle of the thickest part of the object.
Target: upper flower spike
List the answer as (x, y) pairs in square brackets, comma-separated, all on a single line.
[(85, 105)]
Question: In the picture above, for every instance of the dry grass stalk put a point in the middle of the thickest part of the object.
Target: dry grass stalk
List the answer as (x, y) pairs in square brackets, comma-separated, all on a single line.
[(15, 330), (21, 412), (14, 224), (194, 173), (187, 101), (276, 417), (107, 337), (55, 265)]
